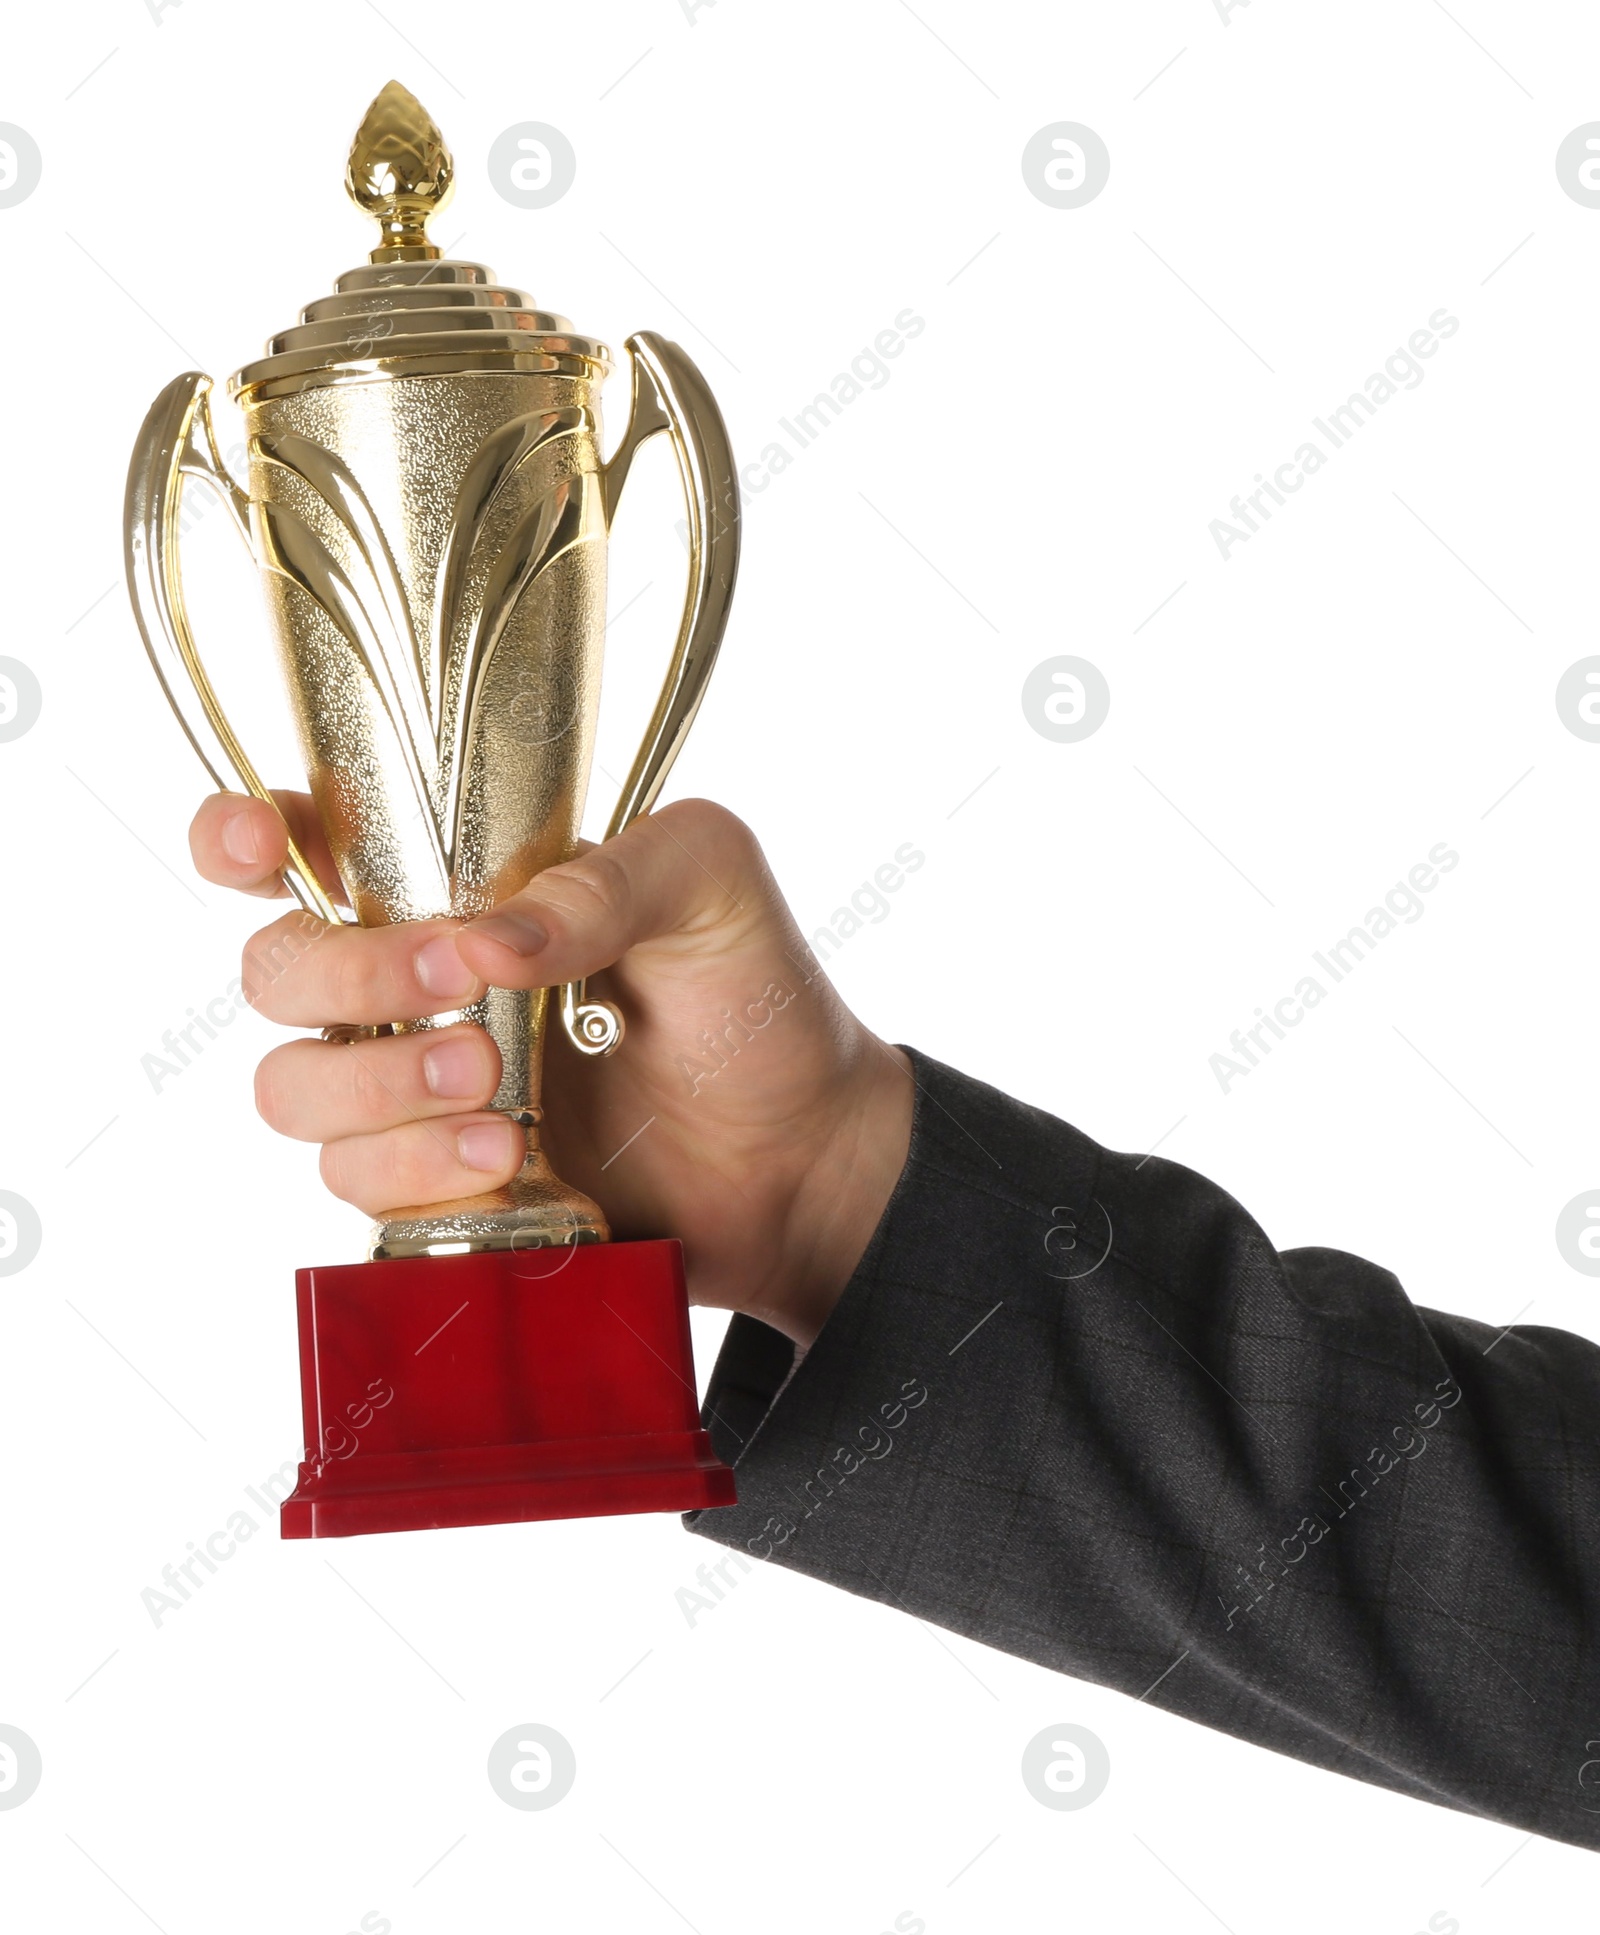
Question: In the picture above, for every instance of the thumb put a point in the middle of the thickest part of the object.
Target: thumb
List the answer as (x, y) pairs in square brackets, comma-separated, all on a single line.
[(692, 874)]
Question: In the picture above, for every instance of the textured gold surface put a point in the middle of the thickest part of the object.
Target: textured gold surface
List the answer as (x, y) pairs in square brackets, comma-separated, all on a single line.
[(447, 701), (429, 511)]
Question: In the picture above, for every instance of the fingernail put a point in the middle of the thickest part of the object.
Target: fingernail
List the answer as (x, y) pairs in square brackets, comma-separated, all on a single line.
[(486, 1145), (239, 840), (520, 932), (454, 1068), (439, 967)]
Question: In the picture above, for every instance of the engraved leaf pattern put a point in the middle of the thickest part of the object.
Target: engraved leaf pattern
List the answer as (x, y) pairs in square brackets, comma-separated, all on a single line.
[(430, 690)]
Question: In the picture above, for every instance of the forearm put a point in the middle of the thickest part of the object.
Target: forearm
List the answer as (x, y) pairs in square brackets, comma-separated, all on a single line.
[(1370, 1537)]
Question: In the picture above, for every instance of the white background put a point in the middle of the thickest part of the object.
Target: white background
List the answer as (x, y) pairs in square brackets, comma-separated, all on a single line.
[(1289, 734)]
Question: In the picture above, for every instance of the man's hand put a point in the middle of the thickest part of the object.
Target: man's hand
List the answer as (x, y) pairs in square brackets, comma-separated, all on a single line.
[(747, 1111)]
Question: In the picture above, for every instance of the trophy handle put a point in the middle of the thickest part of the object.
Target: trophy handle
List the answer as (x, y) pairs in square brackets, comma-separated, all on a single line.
[(670, 394), (177, 441)]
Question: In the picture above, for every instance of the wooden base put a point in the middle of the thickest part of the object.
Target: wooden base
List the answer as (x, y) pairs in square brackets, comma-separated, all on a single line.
[(485, 1389)]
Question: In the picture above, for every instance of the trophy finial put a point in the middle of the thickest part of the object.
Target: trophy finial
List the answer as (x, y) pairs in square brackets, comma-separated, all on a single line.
[(400, 171)]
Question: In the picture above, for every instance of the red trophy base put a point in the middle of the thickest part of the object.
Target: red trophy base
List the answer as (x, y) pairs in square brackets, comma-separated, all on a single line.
[(490, 1388)]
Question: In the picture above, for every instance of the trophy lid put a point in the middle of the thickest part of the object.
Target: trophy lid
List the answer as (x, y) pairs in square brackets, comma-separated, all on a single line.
[(407, 311)]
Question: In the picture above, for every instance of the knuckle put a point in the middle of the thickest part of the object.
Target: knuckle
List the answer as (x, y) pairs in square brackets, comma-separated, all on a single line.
[(723, 848), (710, 823), (339, 1175), (379, 1079), (369, 1094), (602, 880), (413, 1161), (341, 984), (367, 1170), (271, 958), (355, 975), (392, 1169), (273, 1093)]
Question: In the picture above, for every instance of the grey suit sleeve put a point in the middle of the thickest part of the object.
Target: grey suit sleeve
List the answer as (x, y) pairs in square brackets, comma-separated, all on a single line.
[(1074, 1404)]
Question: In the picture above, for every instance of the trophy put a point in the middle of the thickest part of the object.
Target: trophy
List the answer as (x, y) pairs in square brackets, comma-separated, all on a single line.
[(429, 510)]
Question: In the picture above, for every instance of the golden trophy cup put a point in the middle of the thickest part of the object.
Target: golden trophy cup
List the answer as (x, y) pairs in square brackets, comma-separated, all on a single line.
[(429, 512)]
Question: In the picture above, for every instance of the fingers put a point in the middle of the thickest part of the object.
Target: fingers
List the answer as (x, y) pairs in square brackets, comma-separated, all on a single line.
[(305, 974), (240, 842), (403, 1119), (683, 872), (318, 1091), (424, 1162)]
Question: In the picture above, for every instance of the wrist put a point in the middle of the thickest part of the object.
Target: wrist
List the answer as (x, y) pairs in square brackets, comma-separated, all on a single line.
[(844, 1190)]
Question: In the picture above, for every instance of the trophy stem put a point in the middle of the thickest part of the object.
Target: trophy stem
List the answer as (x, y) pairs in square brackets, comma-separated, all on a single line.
[(536, 1210)]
